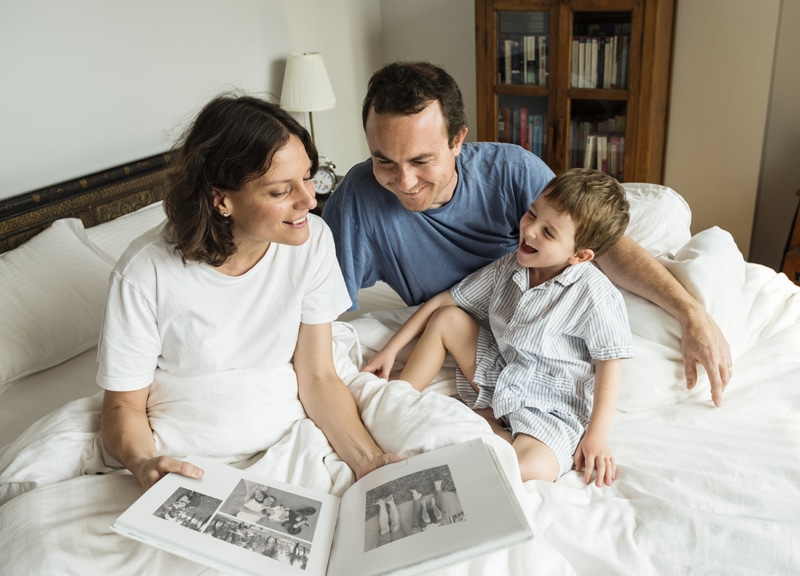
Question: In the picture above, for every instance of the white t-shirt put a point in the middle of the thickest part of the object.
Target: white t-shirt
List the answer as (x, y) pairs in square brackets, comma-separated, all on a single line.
[(207, 341)]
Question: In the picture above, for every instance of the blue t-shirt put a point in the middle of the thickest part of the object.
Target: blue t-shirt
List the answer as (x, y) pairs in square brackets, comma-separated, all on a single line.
[(420, 254)]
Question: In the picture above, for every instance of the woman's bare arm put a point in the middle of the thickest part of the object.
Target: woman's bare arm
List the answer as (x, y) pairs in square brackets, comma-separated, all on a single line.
[(127, 436), (328, 402)]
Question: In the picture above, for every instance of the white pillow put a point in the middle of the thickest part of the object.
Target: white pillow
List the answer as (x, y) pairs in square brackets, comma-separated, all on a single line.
[(660, 218), (713, 271), (113, 237), (53, 289)]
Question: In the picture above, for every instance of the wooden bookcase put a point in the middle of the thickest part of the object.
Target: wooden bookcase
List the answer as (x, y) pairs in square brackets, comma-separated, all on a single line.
[(617, 102)]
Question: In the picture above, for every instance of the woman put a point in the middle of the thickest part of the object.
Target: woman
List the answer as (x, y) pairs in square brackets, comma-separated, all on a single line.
[(219, 300)]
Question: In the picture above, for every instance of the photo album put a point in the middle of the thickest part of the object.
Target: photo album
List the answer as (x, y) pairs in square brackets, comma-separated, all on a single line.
[(427, 511)]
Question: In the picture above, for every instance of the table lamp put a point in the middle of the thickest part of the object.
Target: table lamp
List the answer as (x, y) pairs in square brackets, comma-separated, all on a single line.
[(306, 86)]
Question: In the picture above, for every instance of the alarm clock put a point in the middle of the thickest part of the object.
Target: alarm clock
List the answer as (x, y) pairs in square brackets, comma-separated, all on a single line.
[(324, 180)]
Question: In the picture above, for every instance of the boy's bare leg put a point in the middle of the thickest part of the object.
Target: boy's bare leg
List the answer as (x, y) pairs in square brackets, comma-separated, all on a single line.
[(450, 329), (536, 460), (497, 427)]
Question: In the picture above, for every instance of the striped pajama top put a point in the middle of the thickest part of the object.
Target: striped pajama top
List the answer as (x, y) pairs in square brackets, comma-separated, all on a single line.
[(546, 336)]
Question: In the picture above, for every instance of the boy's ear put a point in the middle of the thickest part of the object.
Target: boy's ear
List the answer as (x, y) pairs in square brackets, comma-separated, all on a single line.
[(583, 255)]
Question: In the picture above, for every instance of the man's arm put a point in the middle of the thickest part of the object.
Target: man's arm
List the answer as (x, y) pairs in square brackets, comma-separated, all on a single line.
[(631, 267)]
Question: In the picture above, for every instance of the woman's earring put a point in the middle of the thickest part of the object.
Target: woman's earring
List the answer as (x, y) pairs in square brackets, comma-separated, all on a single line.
[(224, 214)]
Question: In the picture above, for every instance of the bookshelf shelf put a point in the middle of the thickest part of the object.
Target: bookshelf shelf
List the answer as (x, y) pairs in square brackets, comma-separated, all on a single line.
[(578, 82)]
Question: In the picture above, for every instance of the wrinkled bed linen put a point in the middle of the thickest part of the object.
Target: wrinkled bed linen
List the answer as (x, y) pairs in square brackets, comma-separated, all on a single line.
[(699, 490)]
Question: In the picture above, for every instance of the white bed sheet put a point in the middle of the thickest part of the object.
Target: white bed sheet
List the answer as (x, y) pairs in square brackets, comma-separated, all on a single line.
[(699, 490)]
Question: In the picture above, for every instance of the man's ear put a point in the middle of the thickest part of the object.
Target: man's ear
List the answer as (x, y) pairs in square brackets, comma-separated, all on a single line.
[(458, 141), (583, 255)]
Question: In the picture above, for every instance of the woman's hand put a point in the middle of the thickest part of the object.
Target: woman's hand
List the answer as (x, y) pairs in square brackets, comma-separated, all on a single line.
[(150, 471), (376, 462)]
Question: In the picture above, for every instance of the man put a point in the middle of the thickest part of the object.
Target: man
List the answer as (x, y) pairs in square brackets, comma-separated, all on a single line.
[(427, 209)]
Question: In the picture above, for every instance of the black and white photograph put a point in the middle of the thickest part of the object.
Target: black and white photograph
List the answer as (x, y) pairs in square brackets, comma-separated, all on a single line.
[(275, 509), (413, 504), (255, 517), (188, 508), (259, 540)]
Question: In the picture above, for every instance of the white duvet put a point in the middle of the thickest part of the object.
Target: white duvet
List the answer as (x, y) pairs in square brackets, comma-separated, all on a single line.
[(699, 490)]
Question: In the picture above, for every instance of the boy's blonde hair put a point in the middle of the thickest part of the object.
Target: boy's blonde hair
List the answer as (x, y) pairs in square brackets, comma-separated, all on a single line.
[(597, 205)]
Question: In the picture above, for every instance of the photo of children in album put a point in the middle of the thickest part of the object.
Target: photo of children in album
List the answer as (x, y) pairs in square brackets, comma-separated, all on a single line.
[(409, 505), (266, 506), (258, 539), (256, 517), (188, 508)]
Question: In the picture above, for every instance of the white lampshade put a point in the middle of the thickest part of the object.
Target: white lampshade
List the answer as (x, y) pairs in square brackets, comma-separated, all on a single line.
[(306, 86)]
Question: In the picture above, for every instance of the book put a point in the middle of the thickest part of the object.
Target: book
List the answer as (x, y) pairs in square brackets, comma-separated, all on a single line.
[(543, 61), (531, 66), (508, 50), (425, 512), (602, 152), (575, 75), (537, 135), (505, 113), (524, 141), (590, 151), (517, 61)]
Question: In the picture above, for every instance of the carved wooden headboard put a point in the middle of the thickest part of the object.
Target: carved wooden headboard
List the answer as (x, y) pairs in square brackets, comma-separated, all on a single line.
[(95, 198)]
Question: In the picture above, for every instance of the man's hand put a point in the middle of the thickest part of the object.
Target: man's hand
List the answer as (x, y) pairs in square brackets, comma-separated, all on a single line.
[(704, 343)]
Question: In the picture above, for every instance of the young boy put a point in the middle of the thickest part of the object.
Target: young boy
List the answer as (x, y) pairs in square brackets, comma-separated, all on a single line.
[(538, 334)]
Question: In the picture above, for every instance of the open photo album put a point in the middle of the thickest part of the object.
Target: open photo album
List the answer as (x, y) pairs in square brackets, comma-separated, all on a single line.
[(426, 511)]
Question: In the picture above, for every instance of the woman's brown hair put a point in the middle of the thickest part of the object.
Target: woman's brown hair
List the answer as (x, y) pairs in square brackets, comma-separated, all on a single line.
[(231, 141)]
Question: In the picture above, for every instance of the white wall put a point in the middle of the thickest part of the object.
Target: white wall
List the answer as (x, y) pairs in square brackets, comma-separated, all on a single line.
[(89, 84), (780, 169), (346, 32), (439, 31), (722, 72)]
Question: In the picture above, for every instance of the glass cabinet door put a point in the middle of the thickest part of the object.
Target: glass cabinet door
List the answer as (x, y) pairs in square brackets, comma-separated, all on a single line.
[(523, 76), (600, 50), (523, 120), (599, 79), (594, 74), (597, 135), (523, 40)]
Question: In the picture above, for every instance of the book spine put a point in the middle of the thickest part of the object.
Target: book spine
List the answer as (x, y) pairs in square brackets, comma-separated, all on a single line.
[(575, 71), (508, 46), (543, 61), (538, 135)]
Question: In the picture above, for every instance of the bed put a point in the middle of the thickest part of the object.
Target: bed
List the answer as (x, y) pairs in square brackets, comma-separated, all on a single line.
[(699, 490)]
